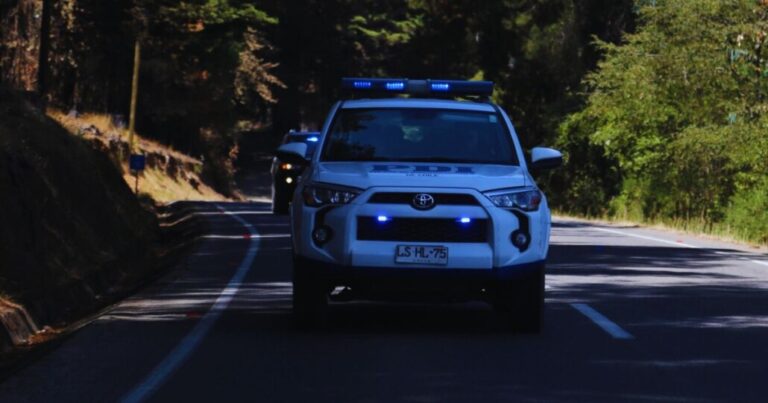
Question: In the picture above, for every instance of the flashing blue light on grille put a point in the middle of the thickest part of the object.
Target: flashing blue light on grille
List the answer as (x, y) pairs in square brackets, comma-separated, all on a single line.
[(465, 220), (382, 218), (395, 86), (362, 84), (443, 87), (313, 139)]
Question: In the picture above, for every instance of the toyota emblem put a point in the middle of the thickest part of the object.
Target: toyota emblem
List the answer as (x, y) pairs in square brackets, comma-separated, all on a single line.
[(423, 201)]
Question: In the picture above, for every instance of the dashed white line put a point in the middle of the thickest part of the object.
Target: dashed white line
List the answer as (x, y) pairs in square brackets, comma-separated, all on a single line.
[(603, 322), (192, 340)]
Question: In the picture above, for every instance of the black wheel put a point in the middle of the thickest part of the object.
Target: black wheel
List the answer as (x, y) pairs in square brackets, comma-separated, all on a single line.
[(310, 296), (279, 201), (521, 302)]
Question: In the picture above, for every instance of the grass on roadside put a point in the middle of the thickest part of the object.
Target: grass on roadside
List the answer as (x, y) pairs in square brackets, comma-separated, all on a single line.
[(154, 182), (717, 231)]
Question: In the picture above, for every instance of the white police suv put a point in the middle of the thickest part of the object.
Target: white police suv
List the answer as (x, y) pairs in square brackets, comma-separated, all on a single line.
[(420, 197)]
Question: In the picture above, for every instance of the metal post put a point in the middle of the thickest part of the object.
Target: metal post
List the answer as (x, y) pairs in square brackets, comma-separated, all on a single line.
[(134, 96)]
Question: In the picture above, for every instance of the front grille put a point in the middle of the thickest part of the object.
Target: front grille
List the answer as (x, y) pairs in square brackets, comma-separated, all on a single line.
[(455, 199), (422, 230)]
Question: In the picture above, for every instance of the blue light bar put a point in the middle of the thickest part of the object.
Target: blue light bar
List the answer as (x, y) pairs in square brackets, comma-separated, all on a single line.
[(465, 220), (440, 88), (374, 84), (382, 218), (313, 139)]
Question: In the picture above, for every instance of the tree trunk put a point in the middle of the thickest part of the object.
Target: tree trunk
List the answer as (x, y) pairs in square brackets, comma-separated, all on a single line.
[(45, 47), (19, 32)]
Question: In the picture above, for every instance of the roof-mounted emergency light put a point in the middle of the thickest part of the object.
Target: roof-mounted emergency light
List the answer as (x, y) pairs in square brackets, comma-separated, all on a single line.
[(418, 87)]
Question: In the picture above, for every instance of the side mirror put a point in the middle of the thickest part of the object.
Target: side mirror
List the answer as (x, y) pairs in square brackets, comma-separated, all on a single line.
[(545, 158), (293, 153)]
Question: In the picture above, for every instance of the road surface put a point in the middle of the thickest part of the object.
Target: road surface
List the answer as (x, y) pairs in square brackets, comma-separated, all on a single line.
[(631, 315)]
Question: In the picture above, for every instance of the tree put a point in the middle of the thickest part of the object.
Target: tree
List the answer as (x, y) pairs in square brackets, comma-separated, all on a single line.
[(321, 41), (674, 109), (45, 47), (204, 70)]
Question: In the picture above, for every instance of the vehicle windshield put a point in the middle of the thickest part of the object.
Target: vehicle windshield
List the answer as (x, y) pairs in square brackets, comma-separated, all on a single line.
[(419, 135), (310, 139)]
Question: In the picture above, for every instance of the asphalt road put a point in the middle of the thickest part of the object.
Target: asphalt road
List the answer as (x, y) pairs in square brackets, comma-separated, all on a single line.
[(631, 315)]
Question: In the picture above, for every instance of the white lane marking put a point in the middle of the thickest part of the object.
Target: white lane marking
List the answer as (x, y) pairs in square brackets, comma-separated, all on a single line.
[(266, 236), (603, 322), (192, 340), (650, 238), (760, 262)]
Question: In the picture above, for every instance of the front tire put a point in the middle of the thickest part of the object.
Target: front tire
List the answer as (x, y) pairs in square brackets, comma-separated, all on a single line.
[(521, 302), (310, 296)]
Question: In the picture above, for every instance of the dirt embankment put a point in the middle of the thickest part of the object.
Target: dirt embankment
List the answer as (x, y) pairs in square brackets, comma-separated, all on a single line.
[(73, 237), (169, 174)]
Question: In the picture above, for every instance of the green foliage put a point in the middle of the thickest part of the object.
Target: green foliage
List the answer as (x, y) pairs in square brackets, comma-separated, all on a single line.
[(588, 179), (215, 12), (205, 68), (748, 213), (679, 109), (321, 41)]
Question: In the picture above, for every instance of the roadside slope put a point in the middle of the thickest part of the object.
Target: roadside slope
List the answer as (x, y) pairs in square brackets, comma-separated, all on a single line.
[(169, 175), (72, 235)]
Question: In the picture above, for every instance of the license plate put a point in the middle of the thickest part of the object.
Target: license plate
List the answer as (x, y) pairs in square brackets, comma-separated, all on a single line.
[(421, 254)]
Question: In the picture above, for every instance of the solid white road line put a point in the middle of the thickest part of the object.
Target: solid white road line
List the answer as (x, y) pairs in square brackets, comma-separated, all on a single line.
[(267, 236), (244, 212), (192, 340), (760, 262), (683, 244), (648, 238), (604, 323)]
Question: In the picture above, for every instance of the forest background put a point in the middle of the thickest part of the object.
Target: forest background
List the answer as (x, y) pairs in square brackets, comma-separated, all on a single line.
[(658, 105)]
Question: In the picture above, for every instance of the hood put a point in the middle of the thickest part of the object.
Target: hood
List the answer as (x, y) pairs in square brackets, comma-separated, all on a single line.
[(481, 177)]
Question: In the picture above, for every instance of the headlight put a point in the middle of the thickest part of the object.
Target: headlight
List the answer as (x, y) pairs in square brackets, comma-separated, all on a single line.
[(321, 195), (527, 199)]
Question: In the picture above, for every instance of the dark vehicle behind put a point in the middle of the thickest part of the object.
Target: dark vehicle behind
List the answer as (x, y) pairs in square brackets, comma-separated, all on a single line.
[(284, 175)]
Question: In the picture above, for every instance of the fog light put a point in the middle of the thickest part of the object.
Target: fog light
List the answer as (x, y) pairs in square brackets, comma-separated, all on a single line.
[(520, 239), (321, 235), (289, 180)]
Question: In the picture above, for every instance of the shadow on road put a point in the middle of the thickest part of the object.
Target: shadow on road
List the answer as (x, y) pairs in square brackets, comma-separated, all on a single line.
[(698, 329)]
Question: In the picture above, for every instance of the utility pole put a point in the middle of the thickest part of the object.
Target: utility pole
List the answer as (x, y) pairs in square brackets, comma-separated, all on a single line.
[(134, 95), (137, 161)]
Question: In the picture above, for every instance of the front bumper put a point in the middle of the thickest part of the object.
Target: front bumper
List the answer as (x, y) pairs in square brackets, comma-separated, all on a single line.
[(345, 249)]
